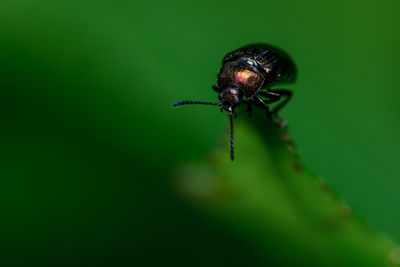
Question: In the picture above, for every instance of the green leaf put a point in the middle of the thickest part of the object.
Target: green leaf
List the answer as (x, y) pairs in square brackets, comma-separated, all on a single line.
[(271, 200)]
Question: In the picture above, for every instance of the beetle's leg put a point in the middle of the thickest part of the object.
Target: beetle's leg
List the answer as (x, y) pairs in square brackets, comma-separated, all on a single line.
[(248, 110), (272, 97), (258, 101), (275, 95), (216, 89)]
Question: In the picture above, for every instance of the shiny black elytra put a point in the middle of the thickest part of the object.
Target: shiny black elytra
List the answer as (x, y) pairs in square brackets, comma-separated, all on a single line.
[(246, 76)]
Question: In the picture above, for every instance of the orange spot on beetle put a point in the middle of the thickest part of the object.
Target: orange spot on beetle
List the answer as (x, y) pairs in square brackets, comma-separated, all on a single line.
[(244, 75)]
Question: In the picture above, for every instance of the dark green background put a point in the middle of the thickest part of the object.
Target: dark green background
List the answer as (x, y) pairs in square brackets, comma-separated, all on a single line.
[(89, 139)]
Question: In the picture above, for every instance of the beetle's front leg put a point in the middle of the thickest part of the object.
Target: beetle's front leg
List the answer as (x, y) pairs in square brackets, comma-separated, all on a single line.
[(262, 104), (216, 89), (275, 95)]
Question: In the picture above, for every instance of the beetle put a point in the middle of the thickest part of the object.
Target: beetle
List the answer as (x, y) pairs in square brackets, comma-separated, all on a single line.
[(246, 77)]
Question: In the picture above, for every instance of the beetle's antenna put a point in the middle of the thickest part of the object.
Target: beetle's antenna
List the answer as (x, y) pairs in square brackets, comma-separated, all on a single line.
[(231, 121), (196, 102)]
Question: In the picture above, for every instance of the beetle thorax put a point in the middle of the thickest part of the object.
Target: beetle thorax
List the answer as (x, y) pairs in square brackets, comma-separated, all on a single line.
[(244, 76), (240, 75)]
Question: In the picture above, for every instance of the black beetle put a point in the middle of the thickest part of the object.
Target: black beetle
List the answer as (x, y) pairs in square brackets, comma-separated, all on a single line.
[(246, 76)]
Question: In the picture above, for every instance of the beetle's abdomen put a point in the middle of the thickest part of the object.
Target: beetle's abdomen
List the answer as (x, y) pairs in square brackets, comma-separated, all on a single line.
[(241, 75), (274, 63)]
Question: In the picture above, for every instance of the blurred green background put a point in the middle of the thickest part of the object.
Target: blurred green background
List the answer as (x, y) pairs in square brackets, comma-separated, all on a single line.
[(89, 139)]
